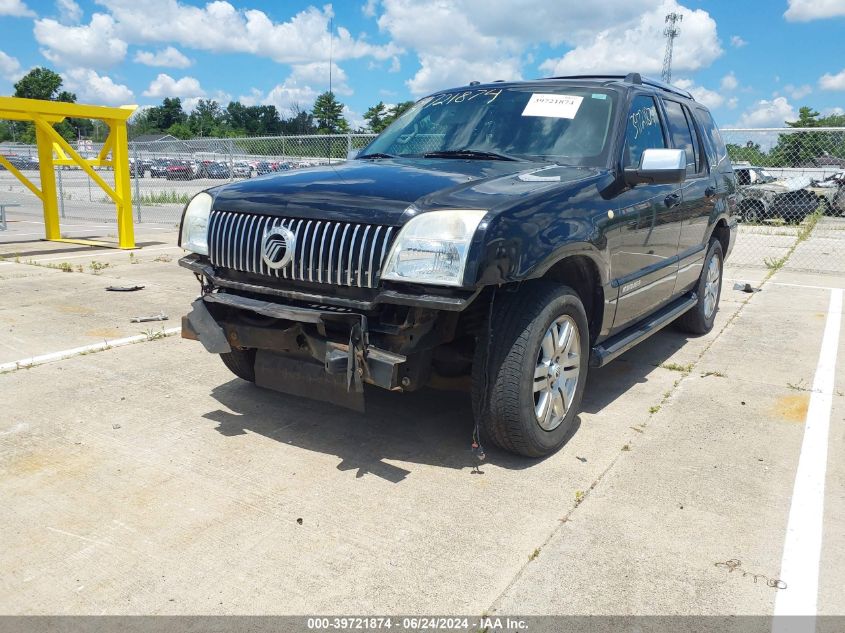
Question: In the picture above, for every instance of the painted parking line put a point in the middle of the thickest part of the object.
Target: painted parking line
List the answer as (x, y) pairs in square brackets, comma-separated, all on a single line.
[(803, 543), (52, 357), (105, 252)]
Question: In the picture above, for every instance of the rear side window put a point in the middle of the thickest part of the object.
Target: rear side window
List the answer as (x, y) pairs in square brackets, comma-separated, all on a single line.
[(711, 134), (681, 134), (643, 130)]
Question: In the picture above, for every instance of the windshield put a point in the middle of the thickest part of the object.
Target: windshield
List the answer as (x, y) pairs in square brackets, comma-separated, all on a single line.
[(568, 125)]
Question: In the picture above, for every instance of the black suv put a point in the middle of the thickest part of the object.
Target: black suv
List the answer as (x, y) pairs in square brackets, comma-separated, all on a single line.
[(517, 233)]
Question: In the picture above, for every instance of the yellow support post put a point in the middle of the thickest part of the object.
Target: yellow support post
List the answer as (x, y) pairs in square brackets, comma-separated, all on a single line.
[(49, 198), (122, 185), (46, 113)]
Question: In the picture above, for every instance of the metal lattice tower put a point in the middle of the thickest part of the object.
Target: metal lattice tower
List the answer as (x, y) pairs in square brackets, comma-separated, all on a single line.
[(671, 32)]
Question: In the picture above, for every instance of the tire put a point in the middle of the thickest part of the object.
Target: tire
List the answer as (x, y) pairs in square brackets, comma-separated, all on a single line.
[(752, 211), (505, 402), (241, 362), (700, 319)]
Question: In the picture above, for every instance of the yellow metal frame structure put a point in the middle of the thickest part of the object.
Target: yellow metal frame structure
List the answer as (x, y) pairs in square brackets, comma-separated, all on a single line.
[(54, 150)]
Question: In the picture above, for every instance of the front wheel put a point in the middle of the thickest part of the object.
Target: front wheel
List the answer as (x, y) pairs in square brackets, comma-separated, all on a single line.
[(241, 362), (700, 319), (527, 393)]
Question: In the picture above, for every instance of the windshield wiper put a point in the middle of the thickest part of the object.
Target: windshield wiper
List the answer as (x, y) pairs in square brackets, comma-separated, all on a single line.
[(468, 153), (377, 155)]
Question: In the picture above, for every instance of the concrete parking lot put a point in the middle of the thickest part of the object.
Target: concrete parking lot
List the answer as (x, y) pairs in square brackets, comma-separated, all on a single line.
[(146, 479)]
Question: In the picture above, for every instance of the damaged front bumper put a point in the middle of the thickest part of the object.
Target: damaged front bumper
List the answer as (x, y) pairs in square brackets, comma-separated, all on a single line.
[(296, 355)]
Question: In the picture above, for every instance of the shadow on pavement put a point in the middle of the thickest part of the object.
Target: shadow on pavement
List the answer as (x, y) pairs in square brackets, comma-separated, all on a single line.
[(425, 427)]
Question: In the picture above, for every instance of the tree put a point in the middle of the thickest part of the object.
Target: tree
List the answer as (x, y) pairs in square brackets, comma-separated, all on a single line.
[(376, 117), (207, 119), (802, 149), (46, 85), (328, 112)]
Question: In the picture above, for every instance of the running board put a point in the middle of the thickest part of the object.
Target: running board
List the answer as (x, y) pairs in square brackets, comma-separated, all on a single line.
[(620, 343)]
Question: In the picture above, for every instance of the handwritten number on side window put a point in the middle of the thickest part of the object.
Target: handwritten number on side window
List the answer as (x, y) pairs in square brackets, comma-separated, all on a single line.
[(643, 118)]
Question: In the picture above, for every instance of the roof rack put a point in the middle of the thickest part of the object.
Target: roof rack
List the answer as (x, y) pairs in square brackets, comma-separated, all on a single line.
[(632, 78)]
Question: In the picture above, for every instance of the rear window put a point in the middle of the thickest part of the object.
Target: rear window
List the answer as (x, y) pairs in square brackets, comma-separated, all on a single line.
[(680, 132), (711, 134)]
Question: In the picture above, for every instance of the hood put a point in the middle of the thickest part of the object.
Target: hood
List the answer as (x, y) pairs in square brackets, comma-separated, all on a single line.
[(379, 191)]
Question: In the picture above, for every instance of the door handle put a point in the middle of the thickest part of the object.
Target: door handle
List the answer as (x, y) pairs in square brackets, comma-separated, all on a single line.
[(710, 192), (672, 200)]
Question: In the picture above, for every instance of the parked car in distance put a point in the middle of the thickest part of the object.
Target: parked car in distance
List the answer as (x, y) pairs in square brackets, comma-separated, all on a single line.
[(764, 197), (22, 163), (212, 169), (513, 233), (242, 170), (158, 167), (180, 170), (264, 167), (831, 192)]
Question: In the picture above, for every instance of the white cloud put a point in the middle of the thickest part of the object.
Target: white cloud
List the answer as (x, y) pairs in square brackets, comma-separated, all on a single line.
[(463, 40), (169, 58), (732, 103), (765, 113), (737, 41), (729, 82), (317, 74), (637, 45), (833, 111), (832, 82), (369, 8), (797, 92), (806, 10), (94, 45), (709, 98), (15, 9), (10, 67), (69, 11), (98, 89), (190, 103), (222, 28), (165, 86), (355, 119)]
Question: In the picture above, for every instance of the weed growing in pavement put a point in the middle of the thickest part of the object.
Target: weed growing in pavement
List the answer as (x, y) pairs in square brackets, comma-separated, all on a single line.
[(654, 409), (534, 554), (163, 258), (676, 367), (718, 374), (98, 267)]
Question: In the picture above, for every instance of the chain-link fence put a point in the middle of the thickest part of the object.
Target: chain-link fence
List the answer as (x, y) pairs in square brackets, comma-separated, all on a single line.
[(791, 197), (791, 184)]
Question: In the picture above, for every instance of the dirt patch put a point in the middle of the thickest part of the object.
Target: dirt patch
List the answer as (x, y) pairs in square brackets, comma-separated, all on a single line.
[(793, 407), (69, 308), (104, 333)]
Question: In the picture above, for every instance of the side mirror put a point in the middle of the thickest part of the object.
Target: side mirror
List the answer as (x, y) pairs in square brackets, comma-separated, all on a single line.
[(352, 154), (659, 167)]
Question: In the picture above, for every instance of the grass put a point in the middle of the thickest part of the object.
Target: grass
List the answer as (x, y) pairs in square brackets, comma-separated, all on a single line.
[(133, 259), (776, 264), (718, 374), (163, 258), (579, 496), (154, 335), (684, 369), (98, 267), (165, 197), (654, 409)]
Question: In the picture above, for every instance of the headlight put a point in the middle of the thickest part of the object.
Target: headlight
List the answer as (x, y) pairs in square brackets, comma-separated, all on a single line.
[(194, 236), (432, 248)]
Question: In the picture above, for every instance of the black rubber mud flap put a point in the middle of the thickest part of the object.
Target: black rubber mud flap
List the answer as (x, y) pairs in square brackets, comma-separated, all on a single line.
[(306, 379), (210, 334)]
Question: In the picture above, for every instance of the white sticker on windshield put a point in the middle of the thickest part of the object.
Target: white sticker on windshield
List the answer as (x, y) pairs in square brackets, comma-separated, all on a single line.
[(552, 105)]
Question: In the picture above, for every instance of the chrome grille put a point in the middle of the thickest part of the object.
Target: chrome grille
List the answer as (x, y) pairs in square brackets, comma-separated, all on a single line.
[(339, 253)]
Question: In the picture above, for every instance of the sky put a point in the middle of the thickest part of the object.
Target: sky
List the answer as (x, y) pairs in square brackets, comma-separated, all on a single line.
[(753, 62)]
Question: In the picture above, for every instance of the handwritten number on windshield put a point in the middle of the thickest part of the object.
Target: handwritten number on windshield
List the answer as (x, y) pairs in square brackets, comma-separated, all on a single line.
[(448, 98)]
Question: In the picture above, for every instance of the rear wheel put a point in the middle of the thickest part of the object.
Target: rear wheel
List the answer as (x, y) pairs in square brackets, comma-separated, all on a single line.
[(528, 398), (700, 319), (241, 362)]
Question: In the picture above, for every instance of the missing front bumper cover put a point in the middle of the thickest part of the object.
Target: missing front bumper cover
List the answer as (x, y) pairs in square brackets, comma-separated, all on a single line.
[(319, 369)]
